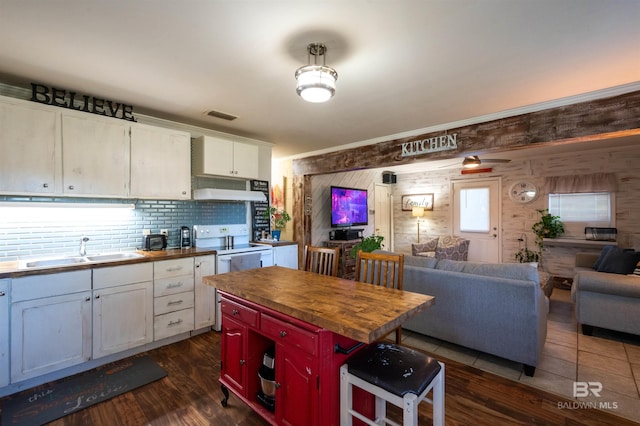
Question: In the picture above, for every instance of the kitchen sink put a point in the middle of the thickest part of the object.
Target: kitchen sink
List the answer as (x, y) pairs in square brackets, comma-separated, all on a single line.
[(52, 262), (112, 257)]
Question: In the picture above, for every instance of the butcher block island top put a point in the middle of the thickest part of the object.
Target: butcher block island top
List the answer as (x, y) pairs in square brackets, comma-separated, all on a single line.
[(362, 312)]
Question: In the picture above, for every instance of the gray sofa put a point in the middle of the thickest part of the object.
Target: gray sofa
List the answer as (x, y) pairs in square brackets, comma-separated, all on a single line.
[(606, 300), (499, 309)]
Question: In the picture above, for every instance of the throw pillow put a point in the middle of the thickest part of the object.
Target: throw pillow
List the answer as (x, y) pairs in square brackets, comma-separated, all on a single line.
[(423, 247), (619, 261), (603, 254), (452, 248)]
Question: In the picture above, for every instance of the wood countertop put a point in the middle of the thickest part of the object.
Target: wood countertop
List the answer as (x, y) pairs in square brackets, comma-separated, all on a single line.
[(362, 312), (276, 243), (10, 269)]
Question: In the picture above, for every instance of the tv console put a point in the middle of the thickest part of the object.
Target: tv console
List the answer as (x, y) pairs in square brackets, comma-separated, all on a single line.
[(345, 234)]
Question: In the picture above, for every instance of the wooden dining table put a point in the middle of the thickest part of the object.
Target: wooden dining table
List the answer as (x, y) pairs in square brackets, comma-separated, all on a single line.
[(316, 323)]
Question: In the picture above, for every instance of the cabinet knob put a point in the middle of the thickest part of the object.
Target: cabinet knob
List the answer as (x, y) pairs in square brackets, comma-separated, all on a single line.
[(242, 361), (45, 185), (184, 192), (87, 299), (71, 187), (97, 296), (235, 312), (283, 333), (277, 385), (2, 293)]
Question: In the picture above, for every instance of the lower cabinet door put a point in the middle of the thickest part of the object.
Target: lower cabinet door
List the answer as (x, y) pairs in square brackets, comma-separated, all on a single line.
[(122, 318), (298, 390), (50, 334), (233, 354)]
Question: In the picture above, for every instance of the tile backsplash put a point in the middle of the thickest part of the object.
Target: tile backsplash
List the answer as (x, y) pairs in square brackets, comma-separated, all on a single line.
[(42, 230)]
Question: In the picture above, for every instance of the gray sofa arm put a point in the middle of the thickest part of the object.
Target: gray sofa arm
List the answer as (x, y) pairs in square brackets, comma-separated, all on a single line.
[(606, 283)]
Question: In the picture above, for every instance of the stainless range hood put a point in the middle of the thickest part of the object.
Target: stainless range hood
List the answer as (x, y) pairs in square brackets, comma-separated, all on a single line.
[(216, 194)]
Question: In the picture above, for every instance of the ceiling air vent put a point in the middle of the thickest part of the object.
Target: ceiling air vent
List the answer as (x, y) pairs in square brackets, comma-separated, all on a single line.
[(223, 115)]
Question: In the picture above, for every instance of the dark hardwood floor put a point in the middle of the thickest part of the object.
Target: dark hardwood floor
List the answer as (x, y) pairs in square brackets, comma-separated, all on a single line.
[(190, 395)]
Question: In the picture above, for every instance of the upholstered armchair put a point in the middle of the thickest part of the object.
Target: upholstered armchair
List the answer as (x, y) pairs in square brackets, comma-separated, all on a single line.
[(446, 247)]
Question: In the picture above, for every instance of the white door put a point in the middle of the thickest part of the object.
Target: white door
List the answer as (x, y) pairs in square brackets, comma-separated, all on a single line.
[(122, 318), (383, 215), (205, 295), (476, 217), (49, 334)]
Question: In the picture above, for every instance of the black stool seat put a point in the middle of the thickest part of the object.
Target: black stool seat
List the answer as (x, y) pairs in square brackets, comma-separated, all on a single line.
[(396, 369)]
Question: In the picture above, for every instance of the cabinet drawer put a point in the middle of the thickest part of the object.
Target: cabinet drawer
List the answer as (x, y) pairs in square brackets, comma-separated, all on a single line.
[(48, 285), (121, 275), (172, 302), (173, 323), (240, 312), (282, 332), (173, 285), (173, 268)]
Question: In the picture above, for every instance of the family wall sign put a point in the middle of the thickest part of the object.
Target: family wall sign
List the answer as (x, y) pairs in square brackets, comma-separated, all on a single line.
[(86, 103)]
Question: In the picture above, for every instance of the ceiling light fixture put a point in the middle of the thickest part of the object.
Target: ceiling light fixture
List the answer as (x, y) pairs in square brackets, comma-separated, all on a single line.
[(471, 162), (316, 83)]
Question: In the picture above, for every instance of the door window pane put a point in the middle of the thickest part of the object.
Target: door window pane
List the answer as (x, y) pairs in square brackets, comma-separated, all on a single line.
[(474, 210)]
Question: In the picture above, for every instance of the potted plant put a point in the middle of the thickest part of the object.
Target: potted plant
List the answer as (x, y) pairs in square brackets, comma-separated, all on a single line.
[(368, 244), (524, 255), (279, 219), (549, 226)]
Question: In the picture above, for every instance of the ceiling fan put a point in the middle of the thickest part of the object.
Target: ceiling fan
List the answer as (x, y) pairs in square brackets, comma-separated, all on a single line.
[(473, 161)]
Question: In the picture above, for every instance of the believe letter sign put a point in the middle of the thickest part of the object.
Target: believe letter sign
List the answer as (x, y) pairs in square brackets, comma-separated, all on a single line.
[(65, 99)]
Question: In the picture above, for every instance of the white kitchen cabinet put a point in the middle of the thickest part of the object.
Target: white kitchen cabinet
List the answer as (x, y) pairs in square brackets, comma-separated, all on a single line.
[(286, 256), (122, 308), (215, 156), (50, 323), (173, 297), (95, 156), (205, 295), (29, 147), (4, 332), (160, 163)]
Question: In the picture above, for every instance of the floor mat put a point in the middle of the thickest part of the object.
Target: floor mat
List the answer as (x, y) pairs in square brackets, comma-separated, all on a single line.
[(54, 400)]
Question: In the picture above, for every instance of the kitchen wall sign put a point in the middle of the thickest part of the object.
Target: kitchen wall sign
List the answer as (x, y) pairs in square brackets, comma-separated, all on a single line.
[(434, 144), (418, 200), (67, 99)]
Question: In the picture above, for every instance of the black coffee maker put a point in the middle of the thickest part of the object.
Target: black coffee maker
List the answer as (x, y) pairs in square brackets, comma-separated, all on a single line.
[(185, 237), (267, 375)]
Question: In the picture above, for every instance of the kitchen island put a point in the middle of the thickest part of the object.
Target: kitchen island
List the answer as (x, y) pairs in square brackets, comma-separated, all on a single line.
[(316, 322)]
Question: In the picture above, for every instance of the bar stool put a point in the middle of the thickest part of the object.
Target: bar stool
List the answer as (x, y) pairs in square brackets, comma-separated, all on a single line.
[(395, 374)]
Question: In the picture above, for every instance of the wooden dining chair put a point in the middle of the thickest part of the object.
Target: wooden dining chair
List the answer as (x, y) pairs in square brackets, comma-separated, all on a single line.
[(383, 269), (322, 260)]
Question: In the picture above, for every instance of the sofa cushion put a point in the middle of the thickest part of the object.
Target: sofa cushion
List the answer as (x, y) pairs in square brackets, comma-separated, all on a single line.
[(424, 247), (420, 261), (603, 254), (514, 271), (453, 248), (619, 261)]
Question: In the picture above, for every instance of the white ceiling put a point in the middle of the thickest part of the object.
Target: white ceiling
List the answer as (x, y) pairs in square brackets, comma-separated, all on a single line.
[(403, 66)]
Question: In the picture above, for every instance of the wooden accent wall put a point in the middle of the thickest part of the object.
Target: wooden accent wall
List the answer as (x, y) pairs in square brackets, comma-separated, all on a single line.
[(592, 120)]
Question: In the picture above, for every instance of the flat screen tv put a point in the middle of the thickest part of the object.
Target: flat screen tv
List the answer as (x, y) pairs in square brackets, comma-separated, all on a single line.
[(348, 207)]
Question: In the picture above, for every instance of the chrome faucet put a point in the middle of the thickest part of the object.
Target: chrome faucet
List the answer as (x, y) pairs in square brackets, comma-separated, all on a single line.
[(83, 246)]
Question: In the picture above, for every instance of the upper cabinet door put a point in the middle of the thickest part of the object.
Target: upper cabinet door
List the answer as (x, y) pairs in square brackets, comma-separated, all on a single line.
[(95, 156), (222, 157), (160, 163), (245, 160), (29, 143)]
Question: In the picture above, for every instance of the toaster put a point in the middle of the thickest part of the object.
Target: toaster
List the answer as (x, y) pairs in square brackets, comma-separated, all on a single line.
[(155, 242)]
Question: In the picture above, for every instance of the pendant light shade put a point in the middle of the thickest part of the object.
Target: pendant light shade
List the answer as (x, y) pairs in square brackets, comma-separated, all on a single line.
[(316, 83), (471, 162)]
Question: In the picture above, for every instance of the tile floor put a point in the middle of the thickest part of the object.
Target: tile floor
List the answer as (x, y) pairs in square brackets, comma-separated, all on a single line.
[(611, 358)]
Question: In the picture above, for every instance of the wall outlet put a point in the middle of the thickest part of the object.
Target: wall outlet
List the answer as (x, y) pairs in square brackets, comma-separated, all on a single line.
[(164, 232), (146, 231)]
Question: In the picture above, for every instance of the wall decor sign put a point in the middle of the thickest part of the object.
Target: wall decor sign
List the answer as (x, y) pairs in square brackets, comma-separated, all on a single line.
[(67, 99), (434, 144), (418, 200)]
